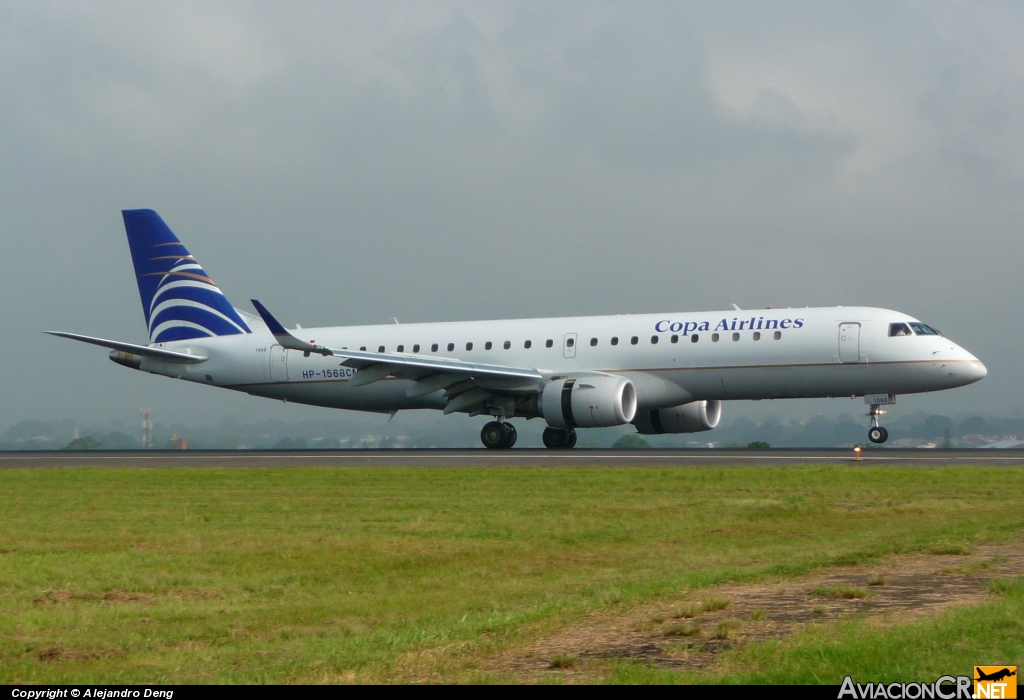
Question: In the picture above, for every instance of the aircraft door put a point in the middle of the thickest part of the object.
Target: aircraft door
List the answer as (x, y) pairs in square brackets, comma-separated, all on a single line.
[(278, 364), (569, 346), (849, 342)]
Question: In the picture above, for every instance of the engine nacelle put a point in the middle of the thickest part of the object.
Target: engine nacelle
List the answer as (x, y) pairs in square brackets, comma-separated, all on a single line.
[(691, 417), (127, 359), (588, 402)]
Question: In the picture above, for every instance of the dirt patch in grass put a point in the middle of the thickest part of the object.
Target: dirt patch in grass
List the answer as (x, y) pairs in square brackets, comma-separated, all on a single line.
[(124, 597), (902, 588), (63, 654), (52, 597)]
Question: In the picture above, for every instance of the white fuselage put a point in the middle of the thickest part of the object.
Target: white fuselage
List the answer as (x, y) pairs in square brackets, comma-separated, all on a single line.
[(763, 354)]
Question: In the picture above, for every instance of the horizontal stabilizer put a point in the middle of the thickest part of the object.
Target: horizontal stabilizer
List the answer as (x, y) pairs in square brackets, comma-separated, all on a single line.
[(141, 350)]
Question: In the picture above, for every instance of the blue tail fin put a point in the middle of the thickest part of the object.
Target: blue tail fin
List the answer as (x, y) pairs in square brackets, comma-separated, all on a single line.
[(179, 299)]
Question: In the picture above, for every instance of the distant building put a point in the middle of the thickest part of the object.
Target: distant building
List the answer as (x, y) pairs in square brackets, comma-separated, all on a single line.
[(178, 443)]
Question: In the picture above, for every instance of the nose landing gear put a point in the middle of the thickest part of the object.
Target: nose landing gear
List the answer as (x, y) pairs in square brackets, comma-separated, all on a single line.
[(498, 435), (876, 433)]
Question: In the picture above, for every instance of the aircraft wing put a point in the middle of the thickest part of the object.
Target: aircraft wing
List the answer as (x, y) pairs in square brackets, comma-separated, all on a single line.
[(377, 365), (142, 350)]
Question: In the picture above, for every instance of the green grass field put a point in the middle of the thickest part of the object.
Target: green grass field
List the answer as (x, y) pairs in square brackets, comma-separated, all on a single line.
[(347, 575)]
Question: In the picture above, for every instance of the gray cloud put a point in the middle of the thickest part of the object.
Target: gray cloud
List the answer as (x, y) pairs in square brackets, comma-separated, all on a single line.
[(351, 162)]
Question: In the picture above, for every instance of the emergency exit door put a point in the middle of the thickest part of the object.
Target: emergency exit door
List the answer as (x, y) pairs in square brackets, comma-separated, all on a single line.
[(849, 342)]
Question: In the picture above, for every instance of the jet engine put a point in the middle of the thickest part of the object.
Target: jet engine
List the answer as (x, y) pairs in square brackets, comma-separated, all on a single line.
[(588, 402), (691, 417)]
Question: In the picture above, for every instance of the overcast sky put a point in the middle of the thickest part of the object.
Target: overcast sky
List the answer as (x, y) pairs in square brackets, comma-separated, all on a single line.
[(350, 162)]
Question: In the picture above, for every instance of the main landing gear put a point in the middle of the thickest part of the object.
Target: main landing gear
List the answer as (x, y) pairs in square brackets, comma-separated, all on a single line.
[(876, 433), (559, 439), (498, 435)]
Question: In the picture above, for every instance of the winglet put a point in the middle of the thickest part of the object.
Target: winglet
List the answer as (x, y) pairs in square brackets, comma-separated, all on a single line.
[(272, 323), (286, 339)]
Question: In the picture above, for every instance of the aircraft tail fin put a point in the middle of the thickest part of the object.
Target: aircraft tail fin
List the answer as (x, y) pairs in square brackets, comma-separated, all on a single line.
[(179, 299)]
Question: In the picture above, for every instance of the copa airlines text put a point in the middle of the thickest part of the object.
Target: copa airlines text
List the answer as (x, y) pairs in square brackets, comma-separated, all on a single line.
[(664, 373)]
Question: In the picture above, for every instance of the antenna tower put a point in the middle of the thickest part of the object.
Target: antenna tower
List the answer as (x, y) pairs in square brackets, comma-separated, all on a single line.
[(147, 425)]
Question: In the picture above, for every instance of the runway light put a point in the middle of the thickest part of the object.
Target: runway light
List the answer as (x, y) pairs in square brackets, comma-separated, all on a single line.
[(856, 453)]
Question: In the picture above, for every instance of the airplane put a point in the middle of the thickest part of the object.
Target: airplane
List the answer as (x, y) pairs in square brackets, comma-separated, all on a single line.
[(662, 373), (995, 676)]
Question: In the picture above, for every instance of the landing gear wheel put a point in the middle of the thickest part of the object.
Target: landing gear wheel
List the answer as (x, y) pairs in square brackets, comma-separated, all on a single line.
[(554, 438), (512, 435), (494, 435), (559, 439), (878, 435)]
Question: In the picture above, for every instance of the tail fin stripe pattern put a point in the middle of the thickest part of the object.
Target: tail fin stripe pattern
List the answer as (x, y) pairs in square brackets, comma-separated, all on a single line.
[(191, 295), (181, 302), (175, 273), (166, 310), (180, 330), (210, 319)]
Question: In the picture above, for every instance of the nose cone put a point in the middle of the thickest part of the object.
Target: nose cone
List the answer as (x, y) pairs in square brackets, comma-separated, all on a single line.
[(969, 368), (961, 367), (973, 371)]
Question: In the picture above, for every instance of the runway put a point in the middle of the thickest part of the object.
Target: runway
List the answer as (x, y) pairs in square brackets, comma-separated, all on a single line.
[(505, 458)]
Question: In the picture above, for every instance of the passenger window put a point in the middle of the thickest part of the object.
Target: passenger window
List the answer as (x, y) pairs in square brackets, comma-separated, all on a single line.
[(634, 340), (735, 337), (416, 347), (922, 329), (654, 340), (469, 346), (694, 338), (549, 343), (615, 340), (451, 346), (593, 342), (488, 345), (433, 348), (380, 348), (528, 344), (569, 342), (507, 345), (778, 335), (675, 339), (898, 330), (714, 337), (362, 348), (401, 348), (757, 335)]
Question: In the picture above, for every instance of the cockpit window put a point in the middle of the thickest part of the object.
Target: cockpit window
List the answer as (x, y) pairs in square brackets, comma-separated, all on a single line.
[(896, 329), (922, 329)]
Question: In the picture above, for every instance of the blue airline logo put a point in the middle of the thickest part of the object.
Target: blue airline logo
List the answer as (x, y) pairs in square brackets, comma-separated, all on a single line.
[(178, 297), (754, 323), (187, 304)]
